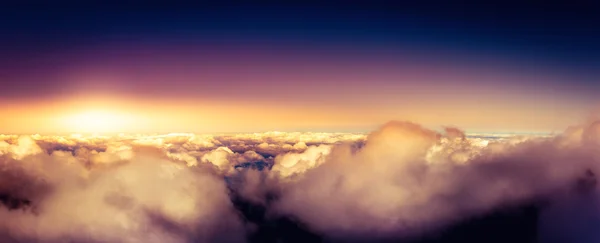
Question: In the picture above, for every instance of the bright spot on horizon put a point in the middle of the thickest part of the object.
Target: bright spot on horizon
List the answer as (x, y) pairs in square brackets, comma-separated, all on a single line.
[(97, 121)]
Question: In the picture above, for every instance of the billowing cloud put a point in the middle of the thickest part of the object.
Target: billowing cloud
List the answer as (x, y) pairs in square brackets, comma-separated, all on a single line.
[(143, 198), (394, 186), (290, 164)]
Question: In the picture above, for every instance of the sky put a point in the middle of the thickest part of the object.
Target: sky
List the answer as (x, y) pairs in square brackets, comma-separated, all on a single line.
[(329, 66)]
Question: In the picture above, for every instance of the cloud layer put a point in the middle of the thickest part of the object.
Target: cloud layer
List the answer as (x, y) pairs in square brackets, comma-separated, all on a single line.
[(399, 181)]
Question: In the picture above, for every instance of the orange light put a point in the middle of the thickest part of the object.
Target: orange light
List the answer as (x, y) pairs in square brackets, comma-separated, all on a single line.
[(98, 121)]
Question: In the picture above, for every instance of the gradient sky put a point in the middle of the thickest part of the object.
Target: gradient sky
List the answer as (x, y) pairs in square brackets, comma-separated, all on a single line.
[(336, 66)]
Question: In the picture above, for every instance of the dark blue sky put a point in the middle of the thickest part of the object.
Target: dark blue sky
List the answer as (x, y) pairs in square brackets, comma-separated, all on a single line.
[(560, 35), (566, 33)]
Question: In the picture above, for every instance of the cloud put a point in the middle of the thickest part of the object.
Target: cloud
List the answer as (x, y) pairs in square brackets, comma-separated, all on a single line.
[(143, 198), (293, 163), (394, 186), (221, 158), (24, 146)]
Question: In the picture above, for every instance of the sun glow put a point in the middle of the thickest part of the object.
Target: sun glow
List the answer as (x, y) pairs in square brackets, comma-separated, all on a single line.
[(98, 122)]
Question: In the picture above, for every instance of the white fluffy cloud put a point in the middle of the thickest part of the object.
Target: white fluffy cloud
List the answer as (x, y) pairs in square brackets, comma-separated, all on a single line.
[(293, 163)]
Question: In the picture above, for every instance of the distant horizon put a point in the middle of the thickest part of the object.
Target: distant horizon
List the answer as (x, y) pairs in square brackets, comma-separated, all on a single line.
[(467, 133)]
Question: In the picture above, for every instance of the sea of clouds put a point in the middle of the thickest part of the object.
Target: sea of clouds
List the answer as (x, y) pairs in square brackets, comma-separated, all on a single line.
[(400, 180)]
